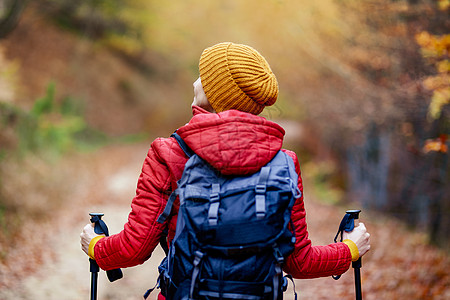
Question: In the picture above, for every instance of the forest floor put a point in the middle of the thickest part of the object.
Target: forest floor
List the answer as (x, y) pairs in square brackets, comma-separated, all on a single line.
[(49, 264)]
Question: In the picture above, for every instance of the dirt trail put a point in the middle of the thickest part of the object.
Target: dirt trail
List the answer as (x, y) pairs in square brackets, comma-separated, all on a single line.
[(400, 266)]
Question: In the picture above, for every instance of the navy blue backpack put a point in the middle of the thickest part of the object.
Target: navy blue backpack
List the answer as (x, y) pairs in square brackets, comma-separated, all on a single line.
[(232, 234)]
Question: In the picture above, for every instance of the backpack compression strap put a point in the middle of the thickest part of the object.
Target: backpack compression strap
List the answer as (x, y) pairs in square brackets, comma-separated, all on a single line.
[(197, 260), (260, 190)]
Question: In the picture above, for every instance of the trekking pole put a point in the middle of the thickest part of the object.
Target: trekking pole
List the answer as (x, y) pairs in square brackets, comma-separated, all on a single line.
[(348, 223), (100, 228), (356, 265), (94, 268)]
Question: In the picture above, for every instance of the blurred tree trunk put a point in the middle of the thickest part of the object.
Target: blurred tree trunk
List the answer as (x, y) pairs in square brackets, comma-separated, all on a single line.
[(10, 12), (368, 169), (389, 167)]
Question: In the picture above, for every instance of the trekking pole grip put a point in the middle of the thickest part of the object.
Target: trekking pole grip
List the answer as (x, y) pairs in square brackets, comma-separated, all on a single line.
[(348, 223), (354, 213), (356, 265), (101, 228)]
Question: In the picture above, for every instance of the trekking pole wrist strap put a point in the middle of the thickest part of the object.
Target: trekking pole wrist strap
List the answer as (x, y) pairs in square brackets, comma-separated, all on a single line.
[(347, 224)]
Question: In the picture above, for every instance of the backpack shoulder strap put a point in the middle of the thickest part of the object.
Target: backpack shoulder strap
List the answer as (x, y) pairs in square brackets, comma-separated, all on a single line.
[(188, 151)]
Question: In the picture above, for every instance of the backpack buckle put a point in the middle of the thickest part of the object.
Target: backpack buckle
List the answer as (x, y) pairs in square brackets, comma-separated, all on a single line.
[(260, 188), (213, 212), (198, 258), (214, 198), (260, 202), (278, 255)]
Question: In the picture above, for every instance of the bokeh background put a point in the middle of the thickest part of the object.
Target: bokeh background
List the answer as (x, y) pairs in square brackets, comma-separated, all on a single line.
[(85, 86)]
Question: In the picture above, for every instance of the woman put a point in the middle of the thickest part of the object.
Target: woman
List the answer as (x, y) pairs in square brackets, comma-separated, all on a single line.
[(234, 86)]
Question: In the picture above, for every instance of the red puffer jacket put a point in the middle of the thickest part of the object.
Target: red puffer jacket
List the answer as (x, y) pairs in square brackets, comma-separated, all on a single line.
[(234, 143)]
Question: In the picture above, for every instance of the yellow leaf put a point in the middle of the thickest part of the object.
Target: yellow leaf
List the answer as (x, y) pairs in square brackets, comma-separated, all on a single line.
[(440, 81), (423, 38), (444, 4), (440, 98), (436, 145), (443, 66)]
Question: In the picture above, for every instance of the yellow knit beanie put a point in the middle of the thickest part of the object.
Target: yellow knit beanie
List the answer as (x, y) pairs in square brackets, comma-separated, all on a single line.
[(236, 76)]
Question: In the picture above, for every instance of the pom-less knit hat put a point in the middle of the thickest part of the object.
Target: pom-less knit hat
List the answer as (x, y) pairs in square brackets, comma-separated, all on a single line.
[(236, 76)]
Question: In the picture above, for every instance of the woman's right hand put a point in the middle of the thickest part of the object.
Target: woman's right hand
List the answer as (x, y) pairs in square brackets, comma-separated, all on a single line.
[(360, 237), (86, 236)]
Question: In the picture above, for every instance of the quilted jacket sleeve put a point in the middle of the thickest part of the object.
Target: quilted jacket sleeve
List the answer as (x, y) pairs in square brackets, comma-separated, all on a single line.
[(135, 243), (309, 261)]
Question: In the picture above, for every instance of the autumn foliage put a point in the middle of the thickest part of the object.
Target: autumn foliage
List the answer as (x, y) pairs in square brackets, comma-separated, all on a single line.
[(436, 50)]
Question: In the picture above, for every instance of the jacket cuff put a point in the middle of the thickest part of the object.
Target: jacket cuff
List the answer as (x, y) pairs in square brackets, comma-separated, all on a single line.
[(92, 245), (353, 249)]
